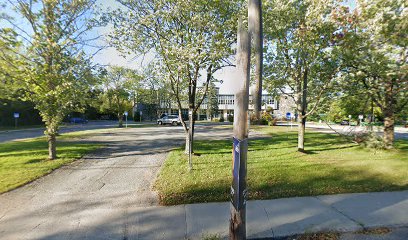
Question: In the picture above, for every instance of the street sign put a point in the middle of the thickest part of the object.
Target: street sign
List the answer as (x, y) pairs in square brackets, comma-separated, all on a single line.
[(16, 115), (126, 113), (238, 196)]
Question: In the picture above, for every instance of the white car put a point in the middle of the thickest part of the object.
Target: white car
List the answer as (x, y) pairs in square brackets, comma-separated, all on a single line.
[(169, 119)]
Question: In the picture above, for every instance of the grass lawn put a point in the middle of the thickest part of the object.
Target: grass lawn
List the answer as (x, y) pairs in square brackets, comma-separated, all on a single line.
[(276, 170), (24, 161)]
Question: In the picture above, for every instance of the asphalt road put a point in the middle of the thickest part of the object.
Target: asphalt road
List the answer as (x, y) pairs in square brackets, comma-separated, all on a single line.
[(80, 200), (12, 135)]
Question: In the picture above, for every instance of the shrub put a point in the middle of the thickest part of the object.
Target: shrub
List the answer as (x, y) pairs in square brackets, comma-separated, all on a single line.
[(369, 140), (230, 118), (221, 119), (253, 120), (265, 118)]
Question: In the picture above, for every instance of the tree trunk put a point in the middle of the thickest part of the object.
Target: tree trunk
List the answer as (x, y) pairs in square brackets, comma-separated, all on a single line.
[(388, 111), (301, 134), (52, 146), (388, 127), (187, 145), (255, 31), (302, 113), (190, 138), (120, 119)]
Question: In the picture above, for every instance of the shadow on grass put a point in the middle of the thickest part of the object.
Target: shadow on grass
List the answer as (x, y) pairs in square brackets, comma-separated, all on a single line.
[(401, 144), (334, 181), (33, 161), (316, 142), (277, 170)]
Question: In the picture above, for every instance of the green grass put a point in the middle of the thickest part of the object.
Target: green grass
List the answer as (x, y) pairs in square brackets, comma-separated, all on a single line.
[(276, 169), (24, 161)]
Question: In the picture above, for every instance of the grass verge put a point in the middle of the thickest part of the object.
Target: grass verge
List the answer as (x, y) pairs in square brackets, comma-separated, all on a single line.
[(24, 161), (276, 169)]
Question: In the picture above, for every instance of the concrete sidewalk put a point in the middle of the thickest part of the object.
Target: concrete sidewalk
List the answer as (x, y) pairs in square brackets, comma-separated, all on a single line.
[(275, 218)]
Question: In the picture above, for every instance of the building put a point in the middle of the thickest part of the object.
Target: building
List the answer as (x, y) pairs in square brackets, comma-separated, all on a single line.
[(226, 106)]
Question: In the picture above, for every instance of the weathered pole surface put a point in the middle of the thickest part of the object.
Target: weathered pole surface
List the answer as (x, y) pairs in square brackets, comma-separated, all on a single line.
[(256, 33), (240, 141)]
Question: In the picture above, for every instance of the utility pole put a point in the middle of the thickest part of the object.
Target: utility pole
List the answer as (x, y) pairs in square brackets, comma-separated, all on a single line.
[(237, 229), (256, 33)]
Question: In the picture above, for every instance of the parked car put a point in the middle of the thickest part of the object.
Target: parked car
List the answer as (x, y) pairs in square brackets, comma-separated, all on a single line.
[(169, 119), (345, 122), (78, 120)]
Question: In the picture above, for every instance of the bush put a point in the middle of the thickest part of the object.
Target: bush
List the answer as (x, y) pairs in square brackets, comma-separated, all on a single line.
[(253, 120), (369, 140), (137, 116), (230, 118), (221, 119), (265, 118)]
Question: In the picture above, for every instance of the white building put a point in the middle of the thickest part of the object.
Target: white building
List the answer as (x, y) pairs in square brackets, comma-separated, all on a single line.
[(226, 106)]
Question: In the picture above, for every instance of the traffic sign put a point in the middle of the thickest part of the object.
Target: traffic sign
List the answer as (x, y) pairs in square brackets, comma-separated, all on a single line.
[(360, 117), (126, 113), (16, 115), (288, 115)]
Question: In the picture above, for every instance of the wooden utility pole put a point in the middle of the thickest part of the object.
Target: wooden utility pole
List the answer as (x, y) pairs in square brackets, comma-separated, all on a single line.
[(256, 33), (240, 140)]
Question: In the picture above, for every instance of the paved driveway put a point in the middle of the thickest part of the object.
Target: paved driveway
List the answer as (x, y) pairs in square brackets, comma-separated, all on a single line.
[(91, 198)]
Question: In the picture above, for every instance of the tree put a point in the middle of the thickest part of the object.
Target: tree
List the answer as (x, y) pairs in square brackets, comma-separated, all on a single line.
[(256, 32), (301, 59), (212, 101), (9, 87), (154, 90), (374, 43), (117, 84), (192, 40), (8, 62), (55, 72)]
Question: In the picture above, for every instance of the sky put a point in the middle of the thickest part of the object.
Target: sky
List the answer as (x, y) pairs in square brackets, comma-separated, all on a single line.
[(110, 56)]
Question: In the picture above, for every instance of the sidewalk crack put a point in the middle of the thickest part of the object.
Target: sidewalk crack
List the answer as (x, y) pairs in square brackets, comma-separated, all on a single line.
[(269, 220), (185, 219), (126, 225), (343, 214)]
